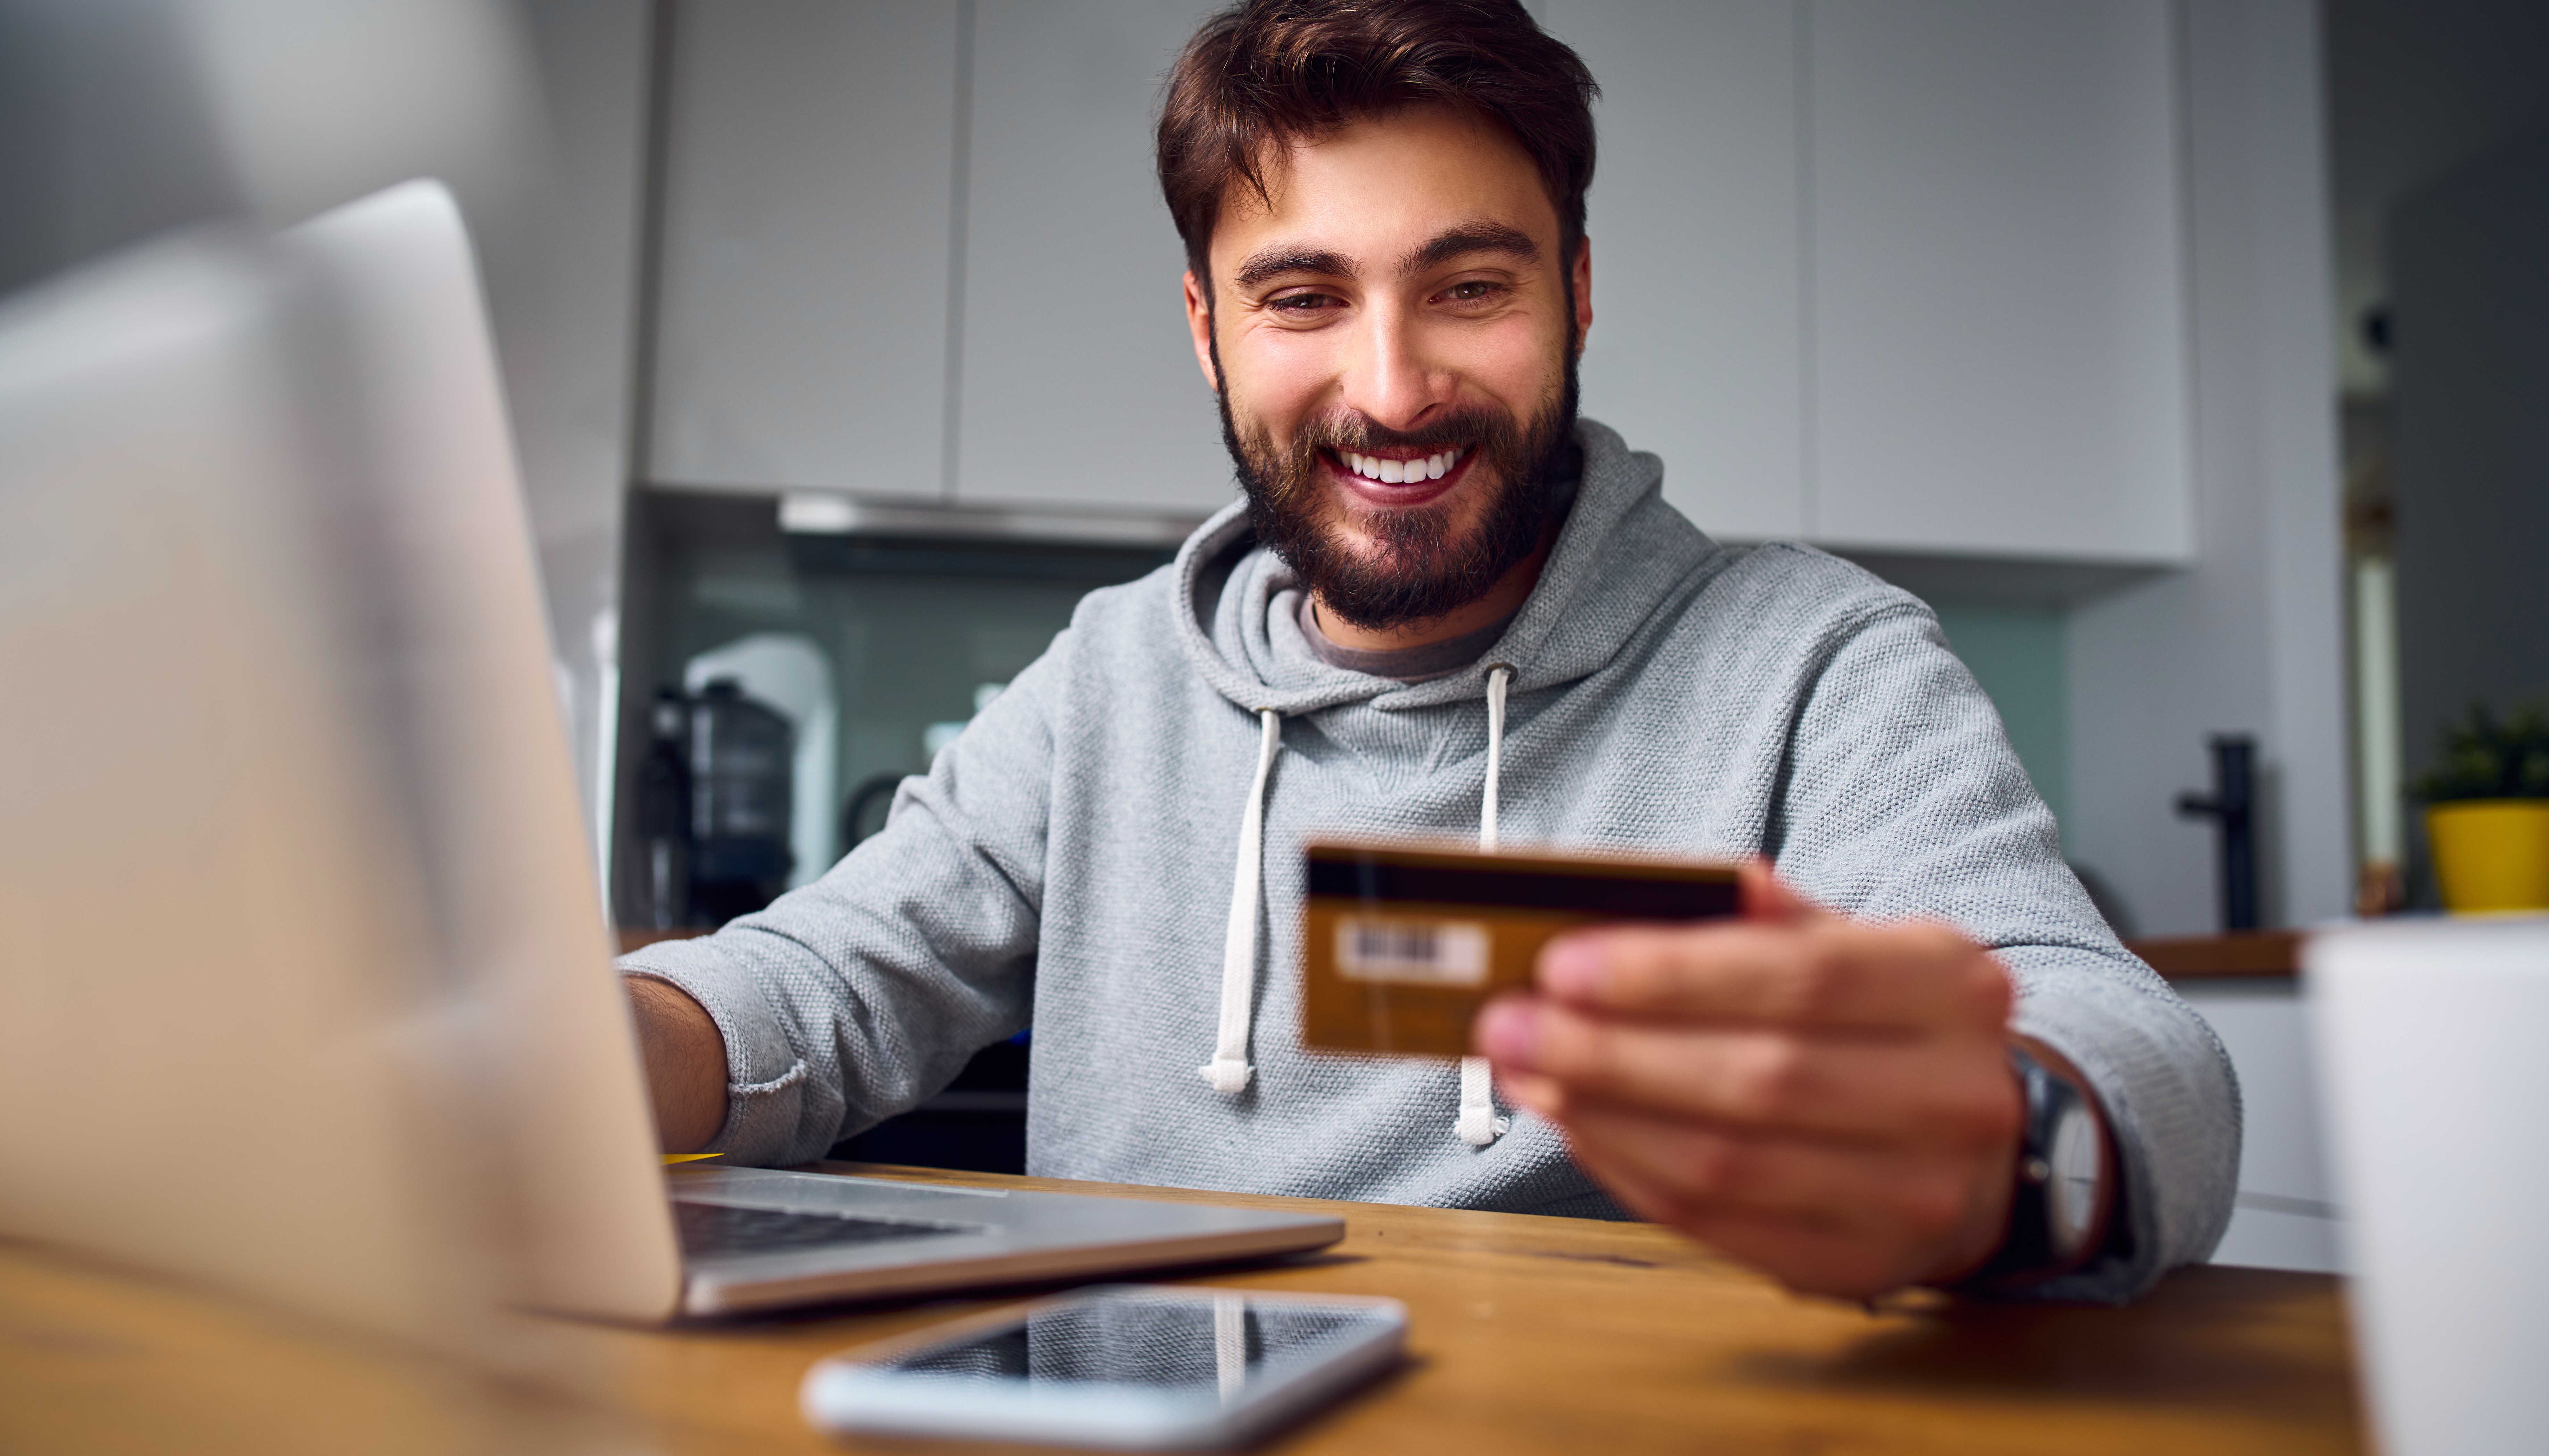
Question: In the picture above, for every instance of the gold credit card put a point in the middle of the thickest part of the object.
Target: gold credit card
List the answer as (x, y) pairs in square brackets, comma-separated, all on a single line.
[(1401, 947)]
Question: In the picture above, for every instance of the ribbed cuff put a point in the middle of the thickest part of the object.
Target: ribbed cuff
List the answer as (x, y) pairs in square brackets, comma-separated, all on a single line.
[(2172, 1104), (764, 1092)]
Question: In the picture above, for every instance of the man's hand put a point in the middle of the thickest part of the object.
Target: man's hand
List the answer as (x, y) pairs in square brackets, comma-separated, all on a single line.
[(1830, 1100), (685, 1060)]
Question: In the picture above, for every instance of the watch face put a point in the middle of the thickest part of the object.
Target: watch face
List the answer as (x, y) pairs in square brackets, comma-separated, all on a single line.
[(2071, 1203)]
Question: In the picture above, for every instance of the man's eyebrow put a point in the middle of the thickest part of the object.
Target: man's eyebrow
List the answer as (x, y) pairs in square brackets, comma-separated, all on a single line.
[(1470, 237), (1275, 262)]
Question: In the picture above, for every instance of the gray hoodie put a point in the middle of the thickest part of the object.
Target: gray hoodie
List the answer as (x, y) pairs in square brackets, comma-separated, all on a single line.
[(1087, 859)]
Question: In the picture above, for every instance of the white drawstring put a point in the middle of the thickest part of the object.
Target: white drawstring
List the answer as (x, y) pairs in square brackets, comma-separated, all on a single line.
[(1229, 1345), (1478, 1124), (1228, 1070), (1497, 677)]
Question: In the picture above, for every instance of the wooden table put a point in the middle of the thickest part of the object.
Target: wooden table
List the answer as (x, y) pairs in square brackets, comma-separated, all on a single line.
[(1529, 1335)]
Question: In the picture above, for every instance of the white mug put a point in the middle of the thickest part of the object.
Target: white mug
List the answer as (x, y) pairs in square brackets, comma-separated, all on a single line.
[(2433, 1064)]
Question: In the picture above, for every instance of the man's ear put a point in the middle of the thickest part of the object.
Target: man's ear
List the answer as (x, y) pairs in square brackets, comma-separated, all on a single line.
[(1199, 324), (1584, 270)]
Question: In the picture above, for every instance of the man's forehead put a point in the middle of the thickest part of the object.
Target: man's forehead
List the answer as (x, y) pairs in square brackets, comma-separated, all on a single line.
[(1375, 189)]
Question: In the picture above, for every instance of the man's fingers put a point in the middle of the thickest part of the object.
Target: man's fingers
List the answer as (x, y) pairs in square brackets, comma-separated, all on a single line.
[(1534, 1093), (1806, 1257), (1767, 897), (1721, 1169), (1818, 1218), (1858, 1089), (1823, 972)]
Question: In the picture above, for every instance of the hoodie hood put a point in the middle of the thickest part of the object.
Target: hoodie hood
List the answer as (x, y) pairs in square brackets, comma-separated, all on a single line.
[(1622, 555)]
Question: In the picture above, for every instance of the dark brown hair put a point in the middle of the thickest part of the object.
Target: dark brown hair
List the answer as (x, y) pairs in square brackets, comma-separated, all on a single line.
[(1266, 73)]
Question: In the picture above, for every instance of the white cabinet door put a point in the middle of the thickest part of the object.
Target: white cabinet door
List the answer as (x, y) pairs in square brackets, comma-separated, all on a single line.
[(809, 171), (1696, 350), (1080, 386), (1997, 350), (1902, 275)]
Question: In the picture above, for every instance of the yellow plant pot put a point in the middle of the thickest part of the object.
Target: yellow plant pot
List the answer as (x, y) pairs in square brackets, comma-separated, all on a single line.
[(2490, 854)]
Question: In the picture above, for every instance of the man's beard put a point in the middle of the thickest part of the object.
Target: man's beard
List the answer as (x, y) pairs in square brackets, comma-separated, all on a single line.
[(1419, 570)]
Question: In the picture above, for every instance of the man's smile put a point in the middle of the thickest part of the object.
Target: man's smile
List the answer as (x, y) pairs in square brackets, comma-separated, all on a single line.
[(1398, 476)]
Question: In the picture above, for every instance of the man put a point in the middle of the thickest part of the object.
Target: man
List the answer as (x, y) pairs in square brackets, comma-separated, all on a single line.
[(1448, 606)]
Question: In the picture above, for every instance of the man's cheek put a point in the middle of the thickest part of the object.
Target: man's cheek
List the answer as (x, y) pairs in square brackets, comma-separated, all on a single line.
[(1510, 359), (1281, 384)]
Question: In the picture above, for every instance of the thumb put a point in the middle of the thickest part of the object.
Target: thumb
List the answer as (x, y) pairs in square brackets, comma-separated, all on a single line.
[(1766, 896)]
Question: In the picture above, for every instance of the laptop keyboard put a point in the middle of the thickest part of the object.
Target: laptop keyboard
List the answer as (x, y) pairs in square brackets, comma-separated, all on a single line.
[(721, 1228)]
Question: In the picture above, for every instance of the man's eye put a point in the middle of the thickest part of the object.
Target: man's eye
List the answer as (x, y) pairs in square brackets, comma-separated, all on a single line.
[(1476, 290), (1304, 304)]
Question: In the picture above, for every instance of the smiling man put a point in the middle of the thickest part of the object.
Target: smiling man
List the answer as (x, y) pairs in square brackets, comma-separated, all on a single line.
[(1446, 604), (1424, 384)]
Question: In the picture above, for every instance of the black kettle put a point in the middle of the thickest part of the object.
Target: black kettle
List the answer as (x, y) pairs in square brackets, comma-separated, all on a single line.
[(742, 767)]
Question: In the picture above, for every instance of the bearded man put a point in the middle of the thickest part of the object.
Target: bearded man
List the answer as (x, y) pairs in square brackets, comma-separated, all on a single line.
[(1445, 597)]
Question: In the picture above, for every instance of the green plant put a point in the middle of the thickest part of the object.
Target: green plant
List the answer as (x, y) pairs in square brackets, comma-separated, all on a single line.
[(2486, 759)]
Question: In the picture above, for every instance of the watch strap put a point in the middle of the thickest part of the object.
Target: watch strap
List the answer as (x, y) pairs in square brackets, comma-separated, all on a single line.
[(2027, 1253)]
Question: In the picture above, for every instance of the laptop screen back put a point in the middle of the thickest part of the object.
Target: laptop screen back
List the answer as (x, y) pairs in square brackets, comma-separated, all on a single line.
[(306, 990)]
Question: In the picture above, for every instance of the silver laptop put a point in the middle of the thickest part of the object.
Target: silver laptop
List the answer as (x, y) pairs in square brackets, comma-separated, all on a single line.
[(306, 987)]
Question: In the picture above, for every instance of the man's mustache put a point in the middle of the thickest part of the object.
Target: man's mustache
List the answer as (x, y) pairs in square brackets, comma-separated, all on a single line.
[(1360, 431)]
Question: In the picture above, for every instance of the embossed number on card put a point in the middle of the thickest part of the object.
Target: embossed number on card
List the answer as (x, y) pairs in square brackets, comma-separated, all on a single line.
[(1411, 952)]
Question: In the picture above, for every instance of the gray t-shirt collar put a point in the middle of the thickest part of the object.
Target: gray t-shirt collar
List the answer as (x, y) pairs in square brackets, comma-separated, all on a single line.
[(1403, 665)]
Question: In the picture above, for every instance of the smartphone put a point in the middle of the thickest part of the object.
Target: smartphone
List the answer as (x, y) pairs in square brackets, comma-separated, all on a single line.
[(1133, 1367)]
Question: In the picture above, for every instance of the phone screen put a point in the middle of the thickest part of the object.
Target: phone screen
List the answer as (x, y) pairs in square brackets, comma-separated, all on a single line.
[(1120, 1364), (1206, 1346)]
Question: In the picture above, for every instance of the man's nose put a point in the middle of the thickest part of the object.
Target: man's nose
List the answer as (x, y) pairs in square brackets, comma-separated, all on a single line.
[(1388, 379)]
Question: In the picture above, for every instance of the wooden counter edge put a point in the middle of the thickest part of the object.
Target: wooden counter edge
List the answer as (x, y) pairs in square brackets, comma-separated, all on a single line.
[(2251, 953), (2254, 953)]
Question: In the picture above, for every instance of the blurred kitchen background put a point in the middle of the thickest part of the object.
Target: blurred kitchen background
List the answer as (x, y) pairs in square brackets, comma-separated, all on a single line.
[(2190, 356)]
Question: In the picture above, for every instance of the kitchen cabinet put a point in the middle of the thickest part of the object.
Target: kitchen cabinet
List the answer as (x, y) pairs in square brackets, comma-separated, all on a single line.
[(1900, 275), (2248, 987), (2286, 1216), (1891, 275), (1698, 249), (1080, 383), (1997, 360), (804, 254)]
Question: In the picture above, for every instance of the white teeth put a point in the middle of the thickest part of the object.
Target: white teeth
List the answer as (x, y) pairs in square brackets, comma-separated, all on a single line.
[(1394, 472)]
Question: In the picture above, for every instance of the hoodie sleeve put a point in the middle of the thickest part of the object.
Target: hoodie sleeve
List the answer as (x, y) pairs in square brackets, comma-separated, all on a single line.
[(856, 997), (1903, 800)]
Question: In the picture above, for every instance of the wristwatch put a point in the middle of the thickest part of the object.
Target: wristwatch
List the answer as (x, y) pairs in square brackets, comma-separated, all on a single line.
[(2056, 1208)]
